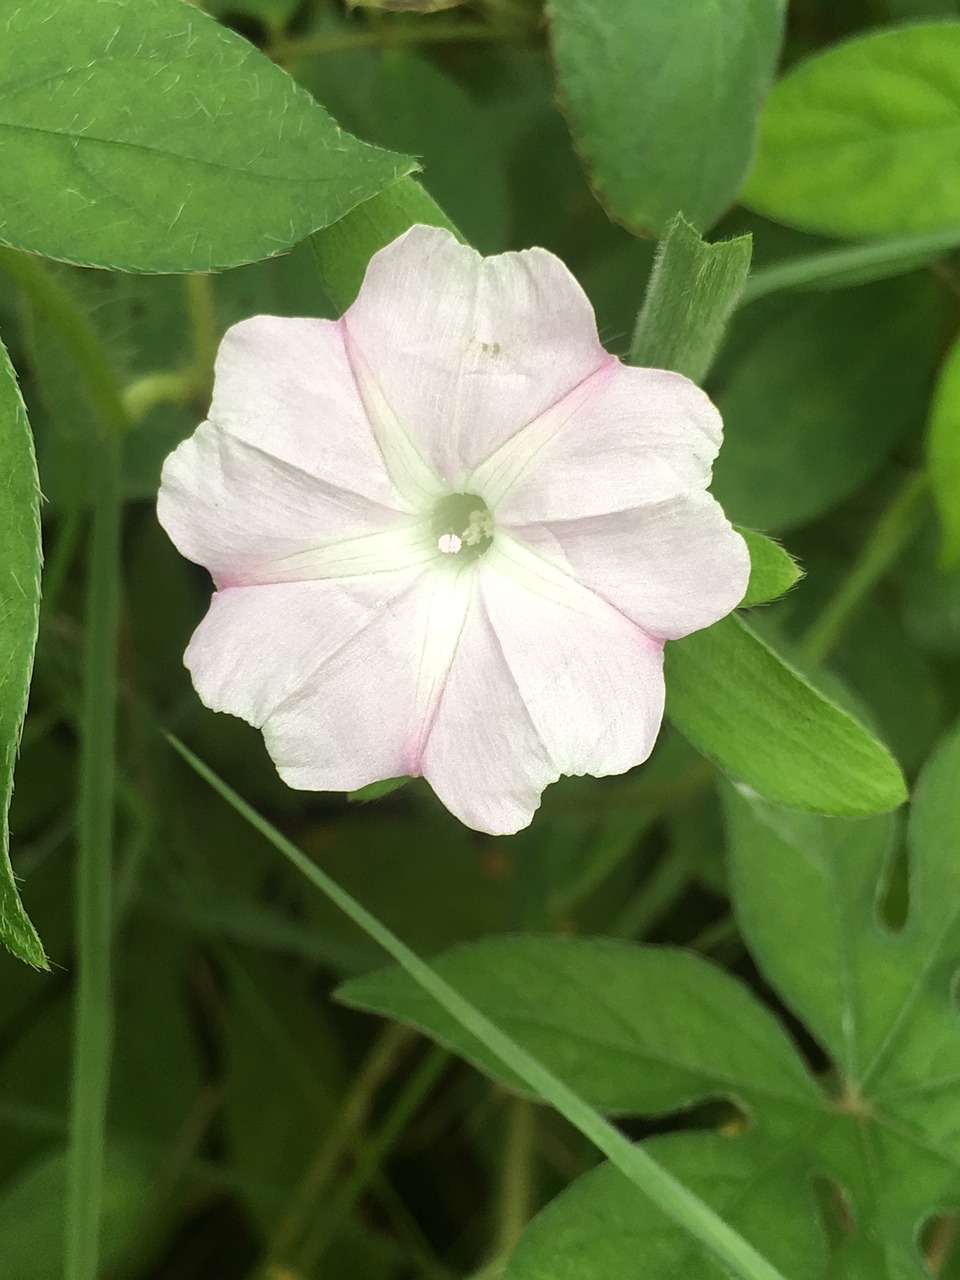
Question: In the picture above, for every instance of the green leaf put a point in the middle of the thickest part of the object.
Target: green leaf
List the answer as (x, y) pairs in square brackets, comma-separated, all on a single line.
[(693, 289), (572, 1003), (881, 1001), (861, 139), (773, 571), (943, 454), (815, 390), (599, 1227), (671, 1196), (846, 265), (376, 790), (742, 706), (149, 138), (19, 613), (662, 99), (344, 249)]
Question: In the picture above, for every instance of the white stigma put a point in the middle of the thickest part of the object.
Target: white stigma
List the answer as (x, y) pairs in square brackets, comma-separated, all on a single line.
[(449, 544)]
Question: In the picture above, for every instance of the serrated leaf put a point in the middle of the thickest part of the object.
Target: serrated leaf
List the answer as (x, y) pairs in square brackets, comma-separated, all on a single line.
[(598, 1012), (19, 613), (861, 139), (943, 454), (148, 138), (662, 99), (693, 288), (745, 708), (773, 570)]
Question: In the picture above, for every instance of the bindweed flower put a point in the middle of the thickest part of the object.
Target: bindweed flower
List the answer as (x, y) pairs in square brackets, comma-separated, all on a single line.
[(449, 533)]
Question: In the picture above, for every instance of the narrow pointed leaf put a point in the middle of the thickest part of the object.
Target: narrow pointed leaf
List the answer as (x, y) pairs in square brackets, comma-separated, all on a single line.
[(746, 709), (19, 612), (773, 570), (693, 289)]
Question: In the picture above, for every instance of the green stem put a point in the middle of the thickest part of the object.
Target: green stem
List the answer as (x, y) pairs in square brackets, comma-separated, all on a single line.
[(167, 386), (93, 1020), (516, 1188), (669, 1195), (205, 331), (373, 1155), (378, 1066), (890, 536), (387, 35), (658, 892), (860, 262), (75, 332)]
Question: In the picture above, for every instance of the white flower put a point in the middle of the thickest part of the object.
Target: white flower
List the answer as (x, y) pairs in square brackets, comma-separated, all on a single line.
[(449, 533)]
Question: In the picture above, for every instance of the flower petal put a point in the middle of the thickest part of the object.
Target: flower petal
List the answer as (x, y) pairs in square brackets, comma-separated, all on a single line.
[(483, 755), (628, 436), (466, 349), (285, 385), (249, 518), (543, 683), (326, 669), (671, 567)]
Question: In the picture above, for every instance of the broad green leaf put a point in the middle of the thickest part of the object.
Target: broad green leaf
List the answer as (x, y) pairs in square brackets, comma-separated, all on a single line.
[(670, 1195), (19, 613), (943, 454), (662, 99), (599, 1227), (693, 289), (773, 570), (815, 390), (861, 139), (880, 1001), (599, 1013), (148, 138), (746, 709), (344, 249)]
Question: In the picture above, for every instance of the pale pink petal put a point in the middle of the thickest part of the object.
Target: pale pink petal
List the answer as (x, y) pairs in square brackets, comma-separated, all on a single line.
[(248, 517), (671, 567), (483, 755), (285, 385), (329, 671), (547, 680), (466, 350), (360, 715), (626, 437)]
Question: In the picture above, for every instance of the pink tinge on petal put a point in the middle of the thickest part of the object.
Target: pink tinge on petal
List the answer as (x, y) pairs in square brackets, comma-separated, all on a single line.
[(285, 386), (591, 682), (540, 686), (483, 755), (672, 567), (466, 349), (249, 517), (638, 436)]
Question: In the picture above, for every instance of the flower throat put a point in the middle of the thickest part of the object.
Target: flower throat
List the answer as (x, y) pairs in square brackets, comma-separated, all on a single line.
[(464, 526)]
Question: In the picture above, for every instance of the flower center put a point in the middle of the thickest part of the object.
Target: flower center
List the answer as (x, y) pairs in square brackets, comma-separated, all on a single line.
[(464, 526)]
